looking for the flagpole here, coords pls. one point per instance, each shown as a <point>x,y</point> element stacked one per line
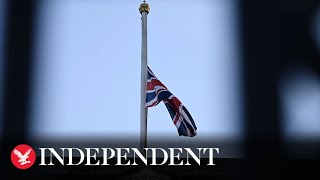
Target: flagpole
<point>144,10</point>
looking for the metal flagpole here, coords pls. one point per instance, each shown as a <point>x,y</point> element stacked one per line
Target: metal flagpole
<point>144,10</point>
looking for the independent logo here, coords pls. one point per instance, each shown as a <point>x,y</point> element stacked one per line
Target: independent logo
<point>23,156</point>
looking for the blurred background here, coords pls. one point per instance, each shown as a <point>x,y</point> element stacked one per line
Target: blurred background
<point>248,72</point>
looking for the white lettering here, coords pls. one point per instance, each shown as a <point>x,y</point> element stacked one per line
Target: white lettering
<point>137,152</point>
<point>172,156</point>
<point>89,156</point>
<point>197,159</point>
<point>211,154</point>
<point>154,156</point>
<point>71,156</point>
<point>105,155</point>
<point>119,156</point>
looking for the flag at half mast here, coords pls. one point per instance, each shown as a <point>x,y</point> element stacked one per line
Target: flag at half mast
<point>157,92</point>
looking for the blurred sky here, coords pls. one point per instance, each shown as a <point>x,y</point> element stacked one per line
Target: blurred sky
<point>87,78</point>
<point>300,103</point>
<point>88,75</point>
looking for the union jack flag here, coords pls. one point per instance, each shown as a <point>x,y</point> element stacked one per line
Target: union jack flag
<point>157,92</point>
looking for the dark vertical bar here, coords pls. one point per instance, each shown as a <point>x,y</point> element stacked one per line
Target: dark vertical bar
<point>17,70</point>
<point>276,34</point>
<point>260,59</point>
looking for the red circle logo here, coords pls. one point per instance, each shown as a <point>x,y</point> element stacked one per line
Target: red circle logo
<point>23,156</point>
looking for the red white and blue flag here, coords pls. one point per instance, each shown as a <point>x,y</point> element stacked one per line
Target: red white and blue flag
<point>157,92</point>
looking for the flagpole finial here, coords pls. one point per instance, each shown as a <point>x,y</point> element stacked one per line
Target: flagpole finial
<point>144,7</point>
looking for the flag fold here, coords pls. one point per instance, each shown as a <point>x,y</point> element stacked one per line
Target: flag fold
<point>157,92</point>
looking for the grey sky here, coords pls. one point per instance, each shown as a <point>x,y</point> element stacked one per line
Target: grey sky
<point>88,77</point>
<point>300,102</point>
<point>87,82</point>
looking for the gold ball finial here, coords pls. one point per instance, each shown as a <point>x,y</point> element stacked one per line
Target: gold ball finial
<point>144,7</point>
